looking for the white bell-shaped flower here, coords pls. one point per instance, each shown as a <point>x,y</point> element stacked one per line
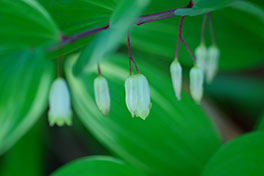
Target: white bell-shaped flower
<point>102,96</point>
<point>131,89</point>
<point>176,76</point>
<point>143,104</point>
<point>201,55</point>
<point>196,84</point>
<point>60,112</point>
<point>212,63</point>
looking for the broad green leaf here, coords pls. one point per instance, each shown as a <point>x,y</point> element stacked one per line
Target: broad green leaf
<point>243,156</point>
<point>97,166</point>
<point>124,16</point>
<point>27,156</point>
<point>73,16</point>
<point>260,124</point>
<point>25,81</point>
<point>250,8</point>
<point>25,24</point>
<point>230,26</point>
<point>204,6</point>
<point>176,139</point>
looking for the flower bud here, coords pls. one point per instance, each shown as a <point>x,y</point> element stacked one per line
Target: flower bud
<point>201,54</point>
<point>212,63</point>
<point>176,76</point>
<point>59,104</point>
<point>131,94</point>
<point>196,84</point>
<point>143,104</point>
<point>102,96</point>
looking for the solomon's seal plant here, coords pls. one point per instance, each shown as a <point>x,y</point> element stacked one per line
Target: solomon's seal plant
<point>154,110</point>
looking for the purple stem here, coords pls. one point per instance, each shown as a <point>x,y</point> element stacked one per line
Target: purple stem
<point>130,56</point>
<point>189,50</point>
<point>141,20</point>
<point>211,29</point>
<point>155,19</point>
<point>203,27</point>
<point>65,40</point>
<point>98,69</point>
<point>179,38</point>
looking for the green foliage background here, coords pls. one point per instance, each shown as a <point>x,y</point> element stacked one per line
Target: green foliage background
<point>178,137</point>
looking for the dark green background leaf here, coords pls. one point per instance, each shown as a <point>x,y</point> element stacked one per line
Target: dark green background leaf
<point>243,156</point>
<point>250,8</point>
<point>177,137</point>
<point>25,24</point>
<point>75,16</point>
<point>27,156</point>
<point>25,82</point>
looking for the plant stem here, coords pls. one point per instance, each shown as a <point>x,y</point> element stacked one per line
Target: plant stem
<point>179,38</point>
<point>98,69</point>
<point>189,50</point>
<point>203,27</point>
<point>130,56</point>
<point>59,65</point>
<point>65,40</point>
<point>140,20</point>
<point>211,29</point>
<point>129,53</point>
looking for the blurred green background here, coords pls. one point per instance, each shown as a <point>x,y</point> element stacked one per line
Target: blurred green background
<point>178,137</point>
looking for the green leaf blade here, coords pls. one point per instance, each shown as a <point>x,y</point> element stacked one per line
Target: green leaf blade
<point>96,166</point>
<point>243,156</point>
<point>25,24</point>
<point>25,80</point>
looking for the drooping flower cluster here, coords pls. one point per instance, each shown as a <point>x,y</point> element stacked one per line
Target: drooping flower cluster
<point>205,65</point>
<point>137,87</point>
<point>196,81</point>
<point>207,60</point>
<point>138,96</point>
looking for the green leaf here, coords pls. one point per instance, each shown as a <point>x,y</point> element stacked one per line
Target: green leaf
<point>25,81</point>
<point>73,16</point>
<point>25,24</point>
<point>204,6</point>
<point>108,40</point>
<point>260,124</point>
<point>176,139</point>
<point>97,166</point>
<point>249,8</point>
<point>27,156</point>
<point>240,157</point>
